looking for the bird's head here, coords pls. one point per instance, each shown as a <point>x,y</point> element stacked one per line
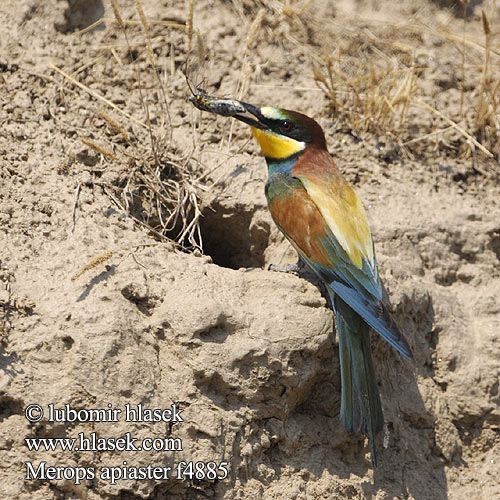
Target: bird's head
<point>282,134</point>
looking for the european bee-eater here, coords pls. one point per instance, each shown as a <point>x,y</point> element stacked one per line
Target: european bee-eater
<point>319,213</point>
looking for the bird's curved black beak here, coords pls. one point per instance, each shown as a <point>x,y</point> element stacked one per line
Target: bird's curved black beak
<point>261,122</point>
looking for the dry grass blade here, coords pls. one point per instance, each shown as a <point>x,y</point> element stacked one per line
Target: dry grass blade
<point>252,32</point>
<point>145,26</point>
<point>97,96</point>
<point>471,140</point>
<point>113,124</point>
<point>98,149</point>
<point>152,60</point>
<point>189,25</point>
<point>117,14</point>
<point>486,123</point>
<point>481,108</point>
<point>100,259</point>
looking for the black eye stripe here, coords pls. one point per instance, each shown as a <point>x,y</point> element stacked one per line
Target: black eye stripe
<point>279,125</point>
<point>294,131</point>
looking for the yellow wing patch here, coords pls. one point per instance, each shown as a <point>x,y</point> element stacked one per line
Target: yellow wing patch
<point>276,146</point>
<point>345,215</point>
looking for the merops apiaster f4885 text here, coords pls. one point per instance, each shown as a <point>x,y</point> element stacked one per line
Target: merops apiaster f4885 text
<point>322,217</point>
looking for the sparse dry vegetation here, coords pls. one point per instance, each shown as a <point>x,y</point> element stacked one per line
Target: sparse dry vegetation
<point>371,73</point>
<point>374,84</point>
<point>370,99</point>
<point>155,185</point>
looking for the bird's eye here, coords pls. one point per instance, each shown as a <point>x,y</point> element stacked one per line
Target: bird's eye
<point>286,126</point>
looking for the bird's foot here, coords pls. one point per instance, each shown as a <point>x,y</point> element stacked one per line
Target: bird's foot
<point>292,268</point>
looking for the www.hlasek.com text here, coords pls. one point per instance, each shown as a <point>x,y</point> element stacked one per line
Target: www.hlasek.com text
<point>95,443</point>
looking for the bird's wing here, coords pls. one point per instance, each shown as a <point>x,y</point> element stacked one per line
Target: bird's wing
<point>348,235</point>
<point>298,216</point>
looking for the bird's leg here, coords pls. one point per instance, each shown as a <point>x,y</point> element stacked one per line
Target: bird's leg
<point>292,268</point>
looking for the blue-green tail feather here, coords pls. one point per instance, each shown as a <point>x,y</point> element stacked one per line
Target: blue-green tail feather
<point>360,404</point>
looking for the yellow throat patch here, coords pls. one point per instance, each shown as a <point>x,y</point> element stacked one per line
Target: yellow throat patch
<point>276,146</point>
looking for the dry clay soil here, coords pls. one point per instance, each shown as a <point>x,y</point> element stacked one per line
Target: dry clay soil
<point>249,355</point>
